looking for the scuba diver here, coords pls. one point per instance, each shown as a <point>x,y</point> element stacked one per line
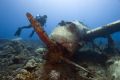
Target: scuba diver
<point>40,19</point>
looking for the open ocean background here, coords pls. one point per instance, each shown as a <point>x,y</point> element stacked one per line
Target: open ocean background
<point>93,13</point>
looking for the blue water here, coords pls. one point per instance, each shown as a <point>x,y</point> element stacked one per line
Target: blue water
<point>93,13</point>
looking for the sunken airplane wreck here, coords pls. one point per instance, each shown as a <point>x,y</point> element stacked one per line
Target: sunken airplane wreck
<point>64,41</point>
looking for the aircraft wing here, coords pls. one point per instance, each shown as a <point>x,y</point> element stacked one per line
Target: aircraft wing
<point>103,31</point>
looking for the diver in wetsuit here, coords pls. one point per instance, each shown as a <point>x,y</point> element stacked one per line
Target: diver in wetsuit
<point>40,19</point>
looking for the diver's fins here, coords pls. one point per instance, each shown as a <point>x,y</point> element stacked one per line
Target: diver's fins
<point>18,32</point>
<point>31,34</point>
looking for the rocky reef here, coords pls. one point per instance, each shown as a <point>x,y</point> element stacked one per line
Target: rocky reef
<point>23,60</point>
<point>16,55</point>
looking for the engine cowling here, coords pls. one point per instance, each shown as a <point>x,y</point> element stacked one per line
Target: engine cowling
<point>69,34</point>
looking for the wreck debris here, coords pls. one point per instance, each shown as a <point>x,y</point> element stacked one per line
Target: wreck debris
<point>56,52</point>
<point>63,43</point>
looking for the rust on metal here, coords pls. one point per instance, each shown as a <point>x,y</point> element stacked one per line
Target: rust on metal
<point>56,52</point>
